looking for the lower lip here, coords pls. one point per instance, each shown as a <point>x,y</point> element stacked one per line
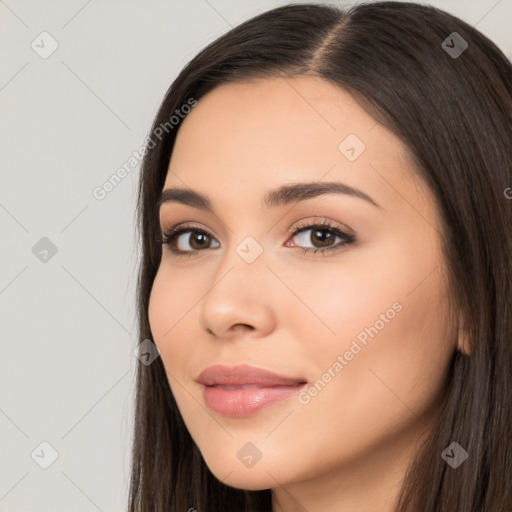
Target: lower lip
<point>245,401</point>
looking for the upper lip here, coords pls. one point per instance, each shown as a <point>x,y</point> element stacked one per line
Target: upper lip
<point>241,375</point>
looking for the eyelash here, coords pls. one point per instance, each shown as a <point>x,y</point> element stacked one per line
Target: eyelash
<point>169,238</point>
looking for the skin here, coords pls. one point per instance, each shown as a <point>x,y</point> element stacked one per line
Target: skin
<point>293,313</point>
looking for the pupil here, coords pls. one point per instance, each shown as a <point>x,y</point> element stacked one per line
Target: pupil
<point>197,237</point>
<point>324,238</point>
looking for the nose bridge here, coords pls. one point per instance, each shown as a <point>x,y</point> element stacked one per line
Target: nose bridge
<point>243,267</point>
<point>245,242</point>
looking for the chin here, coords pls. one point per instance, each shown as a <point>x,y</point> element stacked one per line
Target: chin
<point>246,480</point>
<point>234,473</point>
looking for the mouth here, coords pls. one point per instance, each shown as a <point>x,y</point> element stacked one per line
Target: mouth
<point>243,390</point>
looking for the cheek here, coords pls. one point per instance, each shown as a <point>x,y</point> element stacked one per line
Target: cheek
<point>161,309</point>
<point>170,301</point>
<point>412,362</point>
<point>392,337</point>
<point>393,371</point>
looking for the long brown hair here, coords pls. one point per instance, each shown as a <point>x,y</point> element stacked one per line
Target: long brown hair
<point>451,105</point>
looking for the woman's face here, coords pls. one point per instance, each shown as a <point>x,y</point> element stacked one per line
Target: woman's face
<point>362,329</point>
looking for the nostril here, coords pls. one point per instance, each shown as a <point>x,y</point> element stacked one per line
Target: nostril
<point>242,326</point>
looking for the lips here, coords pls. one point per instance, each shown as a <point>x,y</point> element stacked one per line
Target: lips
<point>244,375</point>
<point>243,390</point>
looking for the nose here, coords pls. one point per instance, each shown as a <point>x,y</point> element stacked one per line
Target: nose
<point>240,300</point>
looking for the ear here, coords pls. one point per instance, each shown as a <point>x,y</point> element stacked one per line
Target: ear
<point>463,342</point>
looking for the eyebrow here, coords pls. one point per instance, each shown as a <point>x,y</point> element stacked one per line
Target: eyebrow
<point>283,195</point>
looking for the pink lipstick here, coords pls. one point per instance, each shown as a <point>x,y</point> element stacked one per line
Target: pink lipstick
<point>242,390</point>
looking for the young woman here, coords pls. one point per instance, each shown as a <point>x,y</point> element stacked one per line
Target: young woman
<point>325,215</point>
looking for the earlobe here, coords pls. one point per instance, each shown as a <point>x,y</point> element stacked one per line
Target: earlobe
<point>463,342</point>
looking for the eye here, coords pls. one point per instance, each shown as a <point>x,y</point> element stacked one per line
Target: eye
<point>197,239</point>
<point>323,236</point>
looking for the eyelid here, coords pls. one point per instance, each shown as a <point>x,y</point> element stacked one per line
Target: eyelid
<point>309,222</point>
<point>166,226</point>
<point>316,220</point>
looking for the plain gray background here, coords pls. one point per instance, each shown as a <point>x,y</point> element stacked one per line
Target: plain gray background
<point>67,123</point>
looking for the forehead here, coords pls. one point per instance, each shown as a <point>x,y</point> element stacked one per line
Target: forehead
<point>277,113</point>
<point>271,131</point>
